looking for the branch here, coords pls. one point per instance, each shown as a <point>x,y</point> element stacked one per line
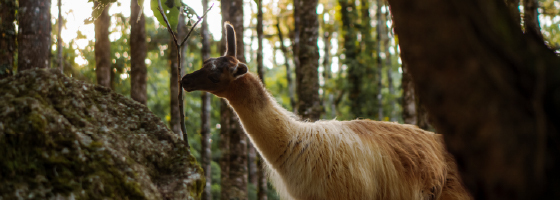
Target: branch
<point>166,21</point>
<point>192,28</point>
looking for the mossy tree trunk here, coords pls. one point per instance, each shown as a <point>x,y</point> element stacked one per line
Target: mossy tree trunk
<point>138,51</point>
<point>7,37</point>
<point>307,75</point>
<point>206,148</point>
<point>102,48</point>
<point>490,89</point>
<point>34,34</point>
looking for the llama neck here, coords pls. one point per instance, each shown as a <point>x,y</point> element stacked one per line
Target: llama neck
<point>267,124</point>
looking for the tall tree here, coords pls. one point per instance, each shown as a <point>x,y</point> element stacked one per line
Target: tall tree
<point>102,47</point>
<point>138,51</point>
<point>307,77</point>
<point>205,145</point>
<point>287,65</point>
<point>389,64</point>
<point>379,30</point>
<point>7,37</point>
<point>349,16</point>
<point>34,35</point>
<point>175,122</point>
<point>513,6</point>
<point>59,38</point>
<point>236,158</point>
<point>408,101</point>
<point>492,92</point>
<point>261,185</point>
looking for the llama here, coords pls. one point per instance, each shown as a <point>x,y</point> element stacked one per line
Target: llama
<point>359,159</point>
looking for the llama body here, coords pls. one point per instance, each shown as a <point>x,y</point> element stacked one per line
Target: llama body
<point>359,159</point>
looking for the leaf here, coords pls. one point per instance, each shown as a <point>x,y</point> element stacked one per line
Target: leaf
<point>171,8</point>
<point>97,10</point>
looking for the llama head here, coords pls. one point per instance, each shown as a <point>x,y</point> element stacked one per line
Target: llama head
<point>217,73</point>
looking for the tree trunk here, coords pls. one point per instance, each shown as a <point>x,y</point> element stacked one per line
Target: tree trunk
<point>103,48</point>
<point>260,182</point>
<point>288,68</point>
<point>138,50</point>
<point>205,145</point>
<point>389,68</point>
<point>7,37</point>
<point>531,17</point>
<point>232,11</point>
<point>307,78</point>
<point>59,38</point>
<point>225,117</point>
<point>34,35</point>
<point>175,121</point>
<point>490,89</point>
<point>349,15</point>
<point>379,30</point>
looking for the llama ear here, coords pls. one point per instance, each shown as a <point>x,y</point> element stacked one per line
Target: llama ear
<point>240,69</point>
<point>230,40</point>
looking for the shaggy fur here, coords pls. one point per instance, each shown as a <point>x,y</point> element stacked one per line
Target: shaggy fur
<point>359,159</point>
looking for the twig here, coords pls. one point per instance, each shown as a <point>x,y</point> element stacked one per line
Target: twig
<point>179,48</point>
<point>192,28</point>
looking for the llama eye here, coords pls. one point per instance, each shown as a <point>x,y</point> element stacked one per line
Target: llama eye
<point>213,79</point>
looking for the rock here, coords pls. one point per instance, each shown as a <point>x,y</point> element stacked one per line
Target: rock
<point>64,139</point>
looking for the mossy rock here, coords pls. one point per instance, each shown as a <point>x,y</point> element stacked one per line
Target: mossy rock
<point>64,139</point>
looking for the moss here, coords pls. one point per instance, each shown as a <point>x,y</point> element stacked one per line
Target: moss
<point>61,137</point>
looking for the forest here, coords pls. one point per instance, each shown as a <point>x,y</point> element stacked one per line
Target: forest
<point>483,73</point>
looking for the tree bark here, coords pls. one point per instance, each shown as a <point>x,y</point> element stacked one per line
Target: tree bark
<point>408,103</point>
<point>138,50</point>
<point>175,121</point>
<point>232,11</point>
<point>103,48</point>
<point>260,181</point>
<point>287,65</point>
<point>206,146</point>
<point>225,117</point>
<point>307,77</point>
<point>34,34</point>
<point>490,89</point>
<point>260,68</point>
<point>7,37</point>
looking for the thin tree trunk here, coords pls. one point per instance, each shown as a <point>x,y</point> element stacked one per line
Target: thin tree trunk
<point>491,91</point>
<point>205,145</point>
<point>103,48</point>
<point>379,62</point>
<point>138,49</point>
<point>7,37</point>
<point>531,17</point>
<point>225,116</point>
<point>327,73</point>
<point>34,35</point>
<point>307,77</point>
<point>175,122</point>
<point>389,68</point>
<point>260,181</point>
<point>288,68</point>
<point>232,11</point>
<point>59,38</point>
<point>349,15</point>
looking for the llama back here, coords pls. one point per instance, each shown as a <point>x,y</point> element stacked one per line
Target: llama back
<point>367,159</point>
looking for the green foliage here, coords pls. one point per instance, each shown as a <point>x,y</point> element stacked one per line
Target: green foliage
<point>97,10</point>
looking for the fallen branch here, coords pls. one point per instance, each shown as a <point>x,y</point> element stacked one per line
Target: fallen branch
<point>179,47</point>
